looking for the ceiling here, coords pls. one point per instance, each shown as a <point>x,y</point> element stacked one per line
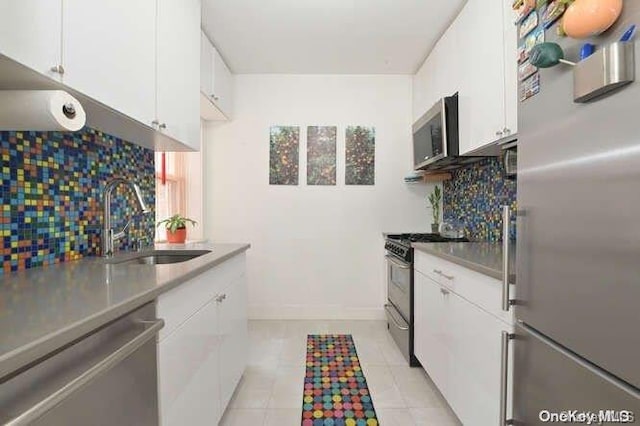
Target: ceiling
<point>326,36</point>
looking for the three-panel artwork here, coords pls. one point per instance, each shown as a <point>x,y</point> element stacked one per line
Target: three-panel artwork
<point>284,153</point>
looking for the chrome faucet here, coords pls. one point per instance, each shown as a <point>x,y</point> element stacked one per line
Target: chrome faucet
<point>109,236</point>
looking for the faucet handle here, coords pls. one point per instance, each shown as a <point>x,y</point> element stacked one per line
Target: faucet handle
<point>140,244</point>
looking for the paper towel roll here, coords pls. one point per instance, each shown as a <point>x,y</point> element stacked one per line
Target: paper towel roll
<point>40,110</point>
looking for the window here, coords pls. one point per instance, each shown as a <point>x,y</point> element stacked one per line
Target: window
<point>170,195</point>
<point>181,191</point>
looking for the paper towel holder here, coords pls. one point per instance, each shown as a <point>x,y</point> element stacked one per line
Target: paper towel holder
<point>606,70</point>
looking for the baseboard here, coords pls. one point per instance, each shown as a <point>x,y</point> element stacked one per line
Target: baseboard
<point>314,313</point>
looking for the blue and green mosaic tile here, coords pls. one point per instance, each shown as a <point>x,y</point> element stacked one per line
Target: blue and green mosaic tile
<point>50,188</point>
<point>475,195</point>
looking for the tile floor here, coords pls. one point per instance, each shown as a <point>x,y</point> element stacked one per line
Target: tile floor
<point>270,392</point>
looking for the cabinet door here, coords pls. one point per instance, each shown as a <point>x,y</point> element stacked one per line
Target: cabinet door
<point>222,84</point>
<point>188,370</point>
<point>474,384</point>
<point>423,88</point>
<point>31,32</point>
<point>510,69</point>
<point>448,61</point>
<point>206,65</point>
<point>234,337</point>
<point>109,53</point>
<point>178,91</point>
<point>431,339</point>
<point>482,108</point>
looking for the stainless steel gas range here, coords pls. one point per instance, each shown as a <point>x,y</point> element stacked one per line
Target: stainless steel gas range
<point>399,306</point>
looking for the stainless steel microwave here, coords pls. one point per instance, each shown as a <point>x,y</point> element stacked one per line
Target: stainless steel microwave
<point>435,134</point>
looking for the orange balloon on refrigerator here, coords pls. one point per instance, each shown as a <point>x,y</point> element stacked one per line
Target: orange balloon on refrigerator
<point>587,18</point>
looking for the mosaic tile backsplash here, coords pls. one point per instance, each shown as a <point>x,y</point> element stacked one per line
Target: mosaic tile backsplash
<point>51,191</point>
<point>475,195</point>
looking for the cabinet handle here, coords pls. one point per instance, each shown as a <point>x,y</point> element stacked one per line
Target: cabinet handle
<point>444,291</point>
<point>449,277</point>
<point>437,271</point>
<point>58,69</point>
<point>221,298</point>
<point>506,218</point>
<point>163,126</point>
<point>155,123</point>
<point>504,377</point>
<point>506,131</point>
<point>499,133</point>
<point>215,98</point>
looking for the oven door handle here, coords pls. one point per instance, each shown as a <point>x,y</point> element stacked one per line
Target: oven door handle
<point>388,308</point>
<point>400,265</point>
<point>36,411</point>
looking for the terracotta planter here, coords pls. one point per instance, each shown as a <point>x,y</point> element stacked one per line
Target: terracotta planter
<point>178,237</point>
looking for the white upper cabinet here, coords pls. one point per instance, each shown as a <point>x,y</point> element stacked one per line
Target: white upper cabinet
<point>30,33</point>
<point>206,65</point>
<point>110,55</point>
<point>475,57</point>
<point>216,83</point>
<point>510,70</point>
<point>482,84</point>
<point>222,84</point>
<point>140,58</point>
<point>178,59</point>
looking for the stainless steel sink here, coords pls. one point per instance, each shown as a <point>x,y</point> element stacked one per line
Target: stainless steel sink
<point>160,257</point>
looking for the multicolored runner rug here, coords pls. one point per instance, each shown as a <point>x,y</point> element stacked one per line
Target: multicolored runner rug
<point>335,390</point>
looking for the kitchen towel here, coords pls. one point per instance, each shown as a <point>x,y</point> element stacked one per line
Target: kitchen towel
<point>40,110</point>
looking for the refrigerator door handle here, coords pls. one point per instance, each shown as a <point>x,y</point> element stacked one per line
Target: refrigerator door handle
<point>504,377</point>
<point>506,219</point>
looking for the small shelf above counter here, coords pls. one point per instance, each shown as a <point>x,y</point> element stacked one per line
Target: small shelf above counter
<point>426,177</point>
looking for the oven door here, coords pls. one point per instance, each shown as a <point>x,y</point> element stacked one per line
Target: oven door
<point>399,285</point>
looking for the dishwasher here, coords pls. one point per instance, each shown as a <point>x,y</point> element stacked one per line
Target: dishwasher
<point>108,377</point>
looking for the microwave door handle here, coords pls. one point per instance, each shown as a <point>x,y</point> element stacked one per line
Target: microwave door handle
<point>443,123</point>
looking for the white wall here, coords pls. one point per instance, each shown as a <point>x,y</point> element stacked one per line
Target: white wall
<point>317,252</point>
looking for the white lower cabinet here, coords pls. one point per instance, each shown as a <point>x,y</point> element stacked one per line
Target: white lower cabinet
<point>201,360</point>
<point>431,338</point>
<point>234,337</point>
<point>189,370</point>
<point>459,346</point>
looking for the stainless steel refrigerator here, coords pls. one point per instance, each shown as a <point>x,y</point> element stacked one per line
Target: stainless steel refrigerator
<point>577,342</point>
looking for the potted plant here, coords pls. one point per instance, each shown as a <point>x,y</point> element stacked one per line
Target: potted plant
<point>176,227</point>
<point>434,199</point>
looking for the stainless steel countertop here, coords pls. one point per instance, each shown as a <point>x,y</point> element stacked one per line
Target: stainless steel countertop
<point>43,309</point>
<point>485,258</point>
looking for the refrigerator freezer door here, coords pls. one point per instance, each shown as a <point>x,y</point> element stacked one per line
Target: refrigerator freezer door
<point>578,257</point>
<point>547,379</point>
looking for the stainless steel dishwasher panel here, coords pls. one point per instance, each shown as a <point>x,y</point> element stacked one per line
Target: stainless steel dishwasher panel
<point>106,378</point>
